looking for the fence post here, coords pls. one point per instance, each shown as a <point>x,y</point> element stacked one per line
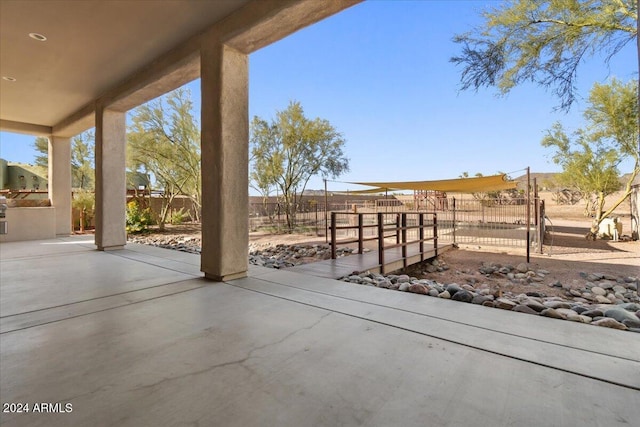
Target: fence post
<point>454,220</point>
<point>421,234</point>
<point>278,216</point>
<point>381,241</point>
<point>541,224</point>
<point>326,225</point>
<point>360,233</point>
<point>403,224</point>
<point>397,228</point>
<point>435,233</point>
<point>528,213</point>
<point>333,235</point>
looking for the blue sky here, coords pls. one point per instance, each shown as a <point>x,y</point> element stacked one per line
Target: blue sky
<point>380,73</point>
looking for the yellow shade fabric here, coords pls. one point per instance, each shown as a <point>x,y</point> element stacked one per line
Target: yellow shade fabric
<point>367,191</point>
<point>460,185</point>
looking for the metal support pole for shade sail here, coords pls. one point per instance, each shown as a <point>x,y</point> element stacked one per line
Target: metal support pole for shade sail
<point>528,212</point>
<point>537,217</point>
<point>326,224</point>
<point>454,221</point>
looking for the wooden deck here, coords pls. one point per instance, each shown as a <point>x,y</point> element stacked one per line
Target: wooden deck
<point>340,267</point>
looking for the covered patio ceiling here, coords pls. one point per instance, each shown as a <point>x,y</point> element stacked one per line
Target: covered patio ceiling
<point>122,53</point>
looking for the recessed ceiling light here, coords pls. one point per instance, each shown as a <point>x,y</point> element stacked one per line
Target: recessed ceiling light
<point>37,36</point>
<point>9,78</point>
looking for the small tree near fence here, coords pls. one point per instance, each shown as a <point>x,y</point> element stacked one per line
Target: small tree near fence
<point>591,156</point>
<point>289,150</point>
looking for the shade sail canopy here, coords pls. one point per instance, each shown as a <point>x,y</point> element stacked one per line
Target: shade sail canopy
<point>459,185</point>
<point>367,191</point>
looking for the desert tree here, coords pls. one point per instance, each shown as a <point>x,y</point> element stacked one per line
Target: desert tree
<point>82,172</point>
<point>262,178</point>
<point>164,140</point>
<point>83,161</point>
<point>83,175</point>
<point>543,42</point>
<point>290,149</point>
<point>590,158</point>
<point>41,147</point>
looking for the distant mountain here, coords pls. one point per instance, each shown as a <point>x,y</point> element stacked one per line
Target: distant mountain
<point>313,192</point>
<point>545,180</point>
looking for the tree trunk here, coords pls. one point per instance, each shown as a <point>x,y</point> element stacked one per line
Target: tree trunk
<point>588,206</point>
<point>593,233</point>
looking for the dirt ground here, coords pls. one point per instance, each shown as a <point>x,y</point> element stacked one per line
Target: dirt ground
<point>565,254</point>
<point>567,260</point>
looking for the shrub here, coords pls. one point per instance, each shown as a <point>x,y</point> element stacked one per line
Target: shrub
<point>138,219</point>
<point>84,202</point>
<point>179,216</point>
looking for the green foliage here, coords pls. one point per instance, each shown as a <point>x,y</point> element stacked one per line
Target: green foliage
<point>589,167</point>
<point>164,140</point>
<point>613,115</point>
<point>179,216</point>
<point>543,42</point>
<point>82,161</point>
<point>588,164</point>
<point>288,151</point>
<point>138,218</point>
<point>84,201</point>
<point>591,158</point>
<point>41,146</point>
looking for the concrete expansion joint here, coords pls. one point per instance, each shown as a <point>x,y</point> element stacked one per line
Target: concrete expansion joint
<point>238,362</point>
<point>433,316</point>
<point>110,248</point>
<point>369,316</point>
<point>225,277</point>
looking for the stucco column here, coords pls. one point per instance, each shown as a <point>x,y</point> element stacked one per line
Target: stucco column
<point>225,162</point>
<point>110,179</point>
<point>60,182</point>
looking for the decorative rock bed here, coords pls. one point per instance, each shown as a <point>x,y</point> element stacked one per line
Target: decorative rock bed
<point>282,256</point>
<point>602,300</point>
<point>190,244</point>
<point>266,255</point>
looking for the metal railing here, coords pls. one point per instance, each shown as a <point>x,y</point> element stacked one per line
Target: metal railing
<point>403,228</point>
<point>470,221</point>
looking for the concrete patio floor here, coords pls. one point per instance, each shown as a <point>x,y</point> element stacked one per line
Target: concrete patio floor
<point>137,337</point>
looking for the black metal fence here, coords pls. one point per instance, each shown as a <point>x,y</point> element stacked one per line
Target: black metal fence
<point>493,223</point>
<point>482,222</point>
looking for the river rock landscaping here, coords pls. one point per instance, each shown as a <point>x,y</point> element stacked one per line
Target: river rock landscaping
<point>262,254</point>
<point>597,299</point>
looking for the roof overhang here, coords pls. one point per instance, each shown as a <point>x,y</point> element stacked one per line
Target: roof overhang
<point>122,54</point>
